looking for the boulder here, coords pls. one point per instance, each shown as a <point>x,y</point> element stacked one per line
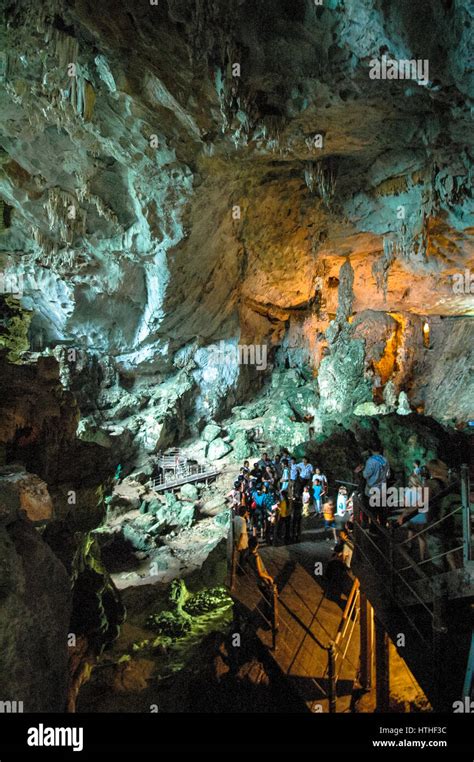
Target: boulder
<point>243,446</point>
<point>211,432</point>
<point>21,491</point>
<point>189,492</point>
<point>218,449</point>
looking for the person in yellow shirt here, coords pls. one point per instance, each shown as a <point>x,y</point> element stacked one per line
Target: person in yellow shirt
<point>284,518</point>
<point>329,510</point>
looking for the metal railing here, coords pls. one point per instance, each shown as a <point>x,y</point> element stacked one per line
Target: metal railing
<point>188,473</point>
<point>400,574</point>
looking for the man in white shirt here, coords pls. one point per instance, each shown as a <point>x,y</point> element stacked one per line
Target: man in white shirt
<point>306,471</point>
<point>241,538</point>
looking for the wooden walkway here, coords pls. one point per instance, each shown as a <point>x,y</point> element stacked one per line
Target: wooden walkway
<point>310,616</point>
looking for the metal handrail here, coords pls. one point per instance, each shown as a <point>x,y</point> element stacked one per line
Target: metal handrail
<point>387,585</point>
<point>430,526</point>
<point>387,562</point>
<point>434,558</point>
<point>330,669</point>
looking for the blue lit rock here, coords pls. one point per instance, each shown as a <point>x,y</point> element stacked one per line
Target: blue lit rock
<point>218,449</point>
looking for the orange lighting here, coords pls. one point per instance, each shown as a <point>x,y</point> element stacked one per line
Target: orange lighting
<point>426,335</point>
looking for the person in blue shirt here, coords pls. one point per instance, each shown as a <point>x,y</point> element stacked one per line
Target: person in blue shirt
<point>294,472</point>
<point>306,471</point>
<point>317,494</point>
<point>258,497</point>
<point>376,472</point>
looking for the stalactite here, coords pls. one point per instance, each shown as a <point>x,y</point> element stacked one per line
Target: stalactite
<point>381,266</point>
<point>65,217</point>
<point>321,176</point>
<point>85,196</point>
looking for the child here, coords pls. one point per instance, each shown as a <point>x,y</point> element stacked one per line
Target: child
<point>234,496</point>
<point>318,492</point>
<point>341,501</point>
<point>329,521</point>
<point>306,499</point>
<point>322,478</point>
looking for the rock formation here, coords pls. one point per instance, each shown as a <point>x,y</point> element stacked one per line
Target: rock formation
<point>219,231</point>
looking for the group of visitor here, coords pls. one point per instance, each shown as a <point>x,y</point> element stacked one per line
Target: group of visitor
<point>271,497</point>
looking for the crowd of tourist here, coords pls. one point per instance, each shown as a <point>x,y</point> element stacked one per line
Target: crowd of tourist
<point>271,497</point>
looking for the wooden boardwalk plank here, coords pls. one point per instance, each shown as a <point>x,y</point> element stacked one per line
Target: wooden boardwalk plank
<point>308,622</point>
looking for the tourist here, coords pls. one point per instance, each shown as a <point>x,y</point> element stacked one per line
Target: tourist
<point>376,472</point>
<point>341,506</point>
<point>442,537</point>
<point>318,495</point>
<point>329,520</point>
<point>257,564</point>
<point>306,471</point>
<point>264,462</point>
<point>268,475</point>
<point>234,496</point>
<point>347,544</point>
<point>306,500</point>
<point>256,472</point>
<point>269,506</point>
<point>285,476</point>
<point>417,467</point>
<point>322,478</point>
<point>284,518</point>
<point>415,514</point>
<point>258,511</point>
<point>294,473</point>
<point>241,539</point>
<point>278,468</point>
<point>295,492</point>
<point>246,467</point>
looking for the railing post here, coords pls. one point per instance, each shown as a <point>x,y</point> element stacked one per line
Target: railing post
<point>366,642</point>
<point>332,677</point>
<point>232,552</point>
<point>391,560</point>
<point>466,514</point>
<point>439,642</point>
<point>382,668</point>
<point>274,615</point>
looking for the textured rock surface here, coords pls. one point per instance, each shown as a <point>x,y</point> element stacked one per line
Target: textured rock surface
<point>124,180</point>
<point>217,260</point>
<point>26,493</point>
<point>35,609</point>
